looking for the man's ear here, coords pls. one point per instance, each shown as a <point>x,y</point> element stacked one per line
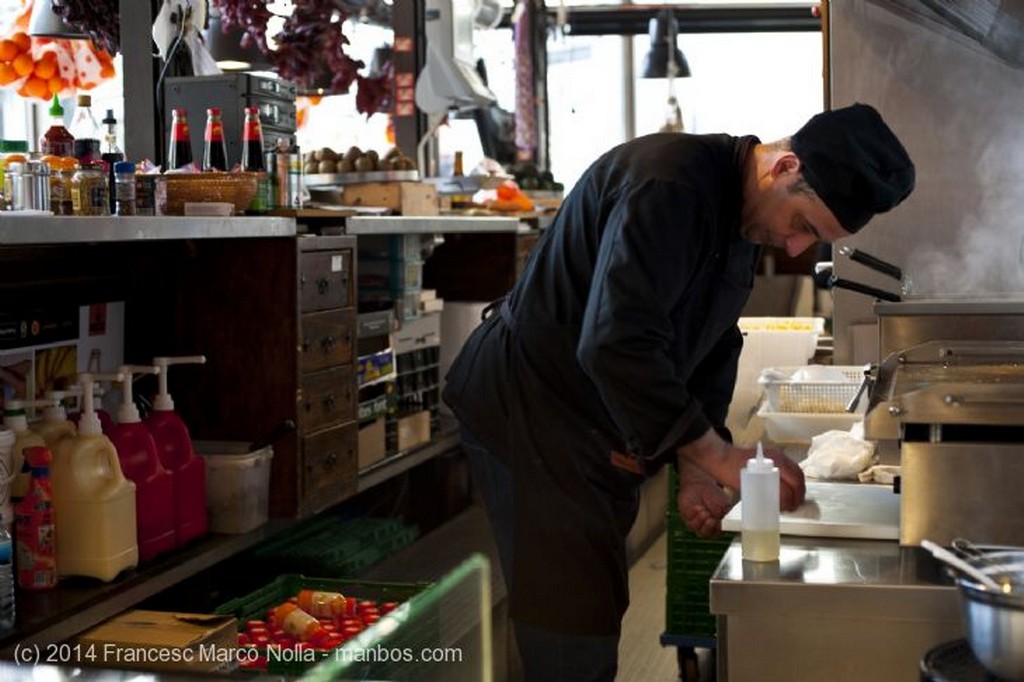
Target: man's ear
<point>786,163</point>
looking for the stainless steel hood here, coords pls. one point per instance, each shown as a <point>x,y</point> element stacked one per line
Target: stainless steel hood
<point>948,77</point>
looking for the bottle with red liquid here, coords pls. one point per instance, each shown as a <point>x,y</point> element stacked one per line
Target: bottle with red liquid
<point>174,447</point>
<point>179,152</point>
<point>35,526</point>
<point>215,153</point>
<point>86,132</point>
<point>57,140</point>
<point>154,485</point>
<point>253,159</point>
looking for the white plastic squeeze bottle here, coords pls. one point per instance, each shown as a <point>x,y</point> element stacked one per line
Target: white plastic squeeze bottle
<point>759,492</point>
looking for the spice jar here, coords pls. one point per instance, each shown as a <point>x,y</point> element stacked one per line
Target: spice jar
<point>124,187</point>
<point>62,168</point>
<point>89,192</point>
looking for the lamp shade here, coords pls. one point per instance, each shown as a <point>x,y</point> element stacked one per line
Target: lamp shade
<point>44,22</point>
<point>664,53</point>
<point>227,49</point>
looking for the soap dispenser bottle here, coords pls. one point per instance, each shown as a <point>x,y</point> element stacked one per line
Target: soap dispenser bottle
<point>174,446</point>
<point>55,425</point>
<point>94,504</point>
<point>154,485</point>
<point>24,437</point>
<point>759,492</point>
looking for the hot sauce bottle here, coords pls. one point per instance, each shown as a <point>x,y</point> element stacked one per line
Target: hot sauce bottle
<point>215,155</point>
<point>180,151</point>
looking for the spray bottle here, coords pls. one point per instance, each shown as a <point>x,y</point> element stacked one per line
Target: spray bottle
<point>55,425</point>
<point>759,490</point>
<point>174,446</point>
<point>93,502</point>
<point>15,420</point>
<point>154,485</point>
<point>36,529</point>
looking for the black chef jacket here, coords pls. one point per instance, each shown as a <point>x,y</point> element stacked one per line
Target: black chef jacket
<point>621,335</point>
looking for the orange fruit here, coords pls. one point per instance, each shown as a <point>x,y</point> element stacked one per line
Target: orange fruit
<point>7,75</point>
<point>45,68</point>
<point>107,71</point>
<point>55,85</point>
<point>23,64</point>
<point>36,87</point>
<point>8,50</point>
<point>22,40</point>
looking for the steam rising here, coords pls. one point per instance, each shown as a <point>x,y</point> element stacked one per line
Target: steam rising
<point>987,258</point>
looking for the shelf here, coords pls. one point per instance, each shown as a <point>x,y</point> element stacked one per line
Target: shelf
<point>447,439</point>
<point>77,604</point>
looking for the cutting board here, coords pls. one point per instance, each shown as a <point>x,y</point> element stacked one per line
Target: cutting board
<point>837,510</point>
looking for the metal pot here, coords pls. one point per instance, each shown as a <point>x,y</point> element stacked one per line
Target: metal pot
<point>994,621</point>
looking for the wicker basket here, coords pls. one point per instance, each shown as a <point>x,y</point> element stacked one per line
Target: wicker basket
<point>237,189</point>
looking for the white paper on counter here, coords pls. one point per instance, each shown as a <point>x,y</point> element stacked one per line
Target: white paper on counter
<point>837,510</point>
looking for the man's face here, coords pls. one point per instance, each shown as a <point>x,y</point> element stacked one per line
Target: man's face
<point>785,213</point>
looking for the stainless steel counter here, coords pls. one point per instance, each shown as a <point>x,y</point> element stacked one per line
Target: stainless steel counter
<point>39,229</point>
<point>432,224</point>
<point>831,609</point>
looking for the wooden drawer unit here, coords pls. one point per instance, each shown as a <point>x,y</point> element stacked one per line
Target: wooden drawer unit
<point>326,398</point>
<point>330,466</point>
<point>327,339</point>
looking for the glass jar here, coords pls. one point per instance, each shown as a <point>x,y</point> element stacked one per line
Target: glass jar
<point>62,169</point>
<point>89,191</point>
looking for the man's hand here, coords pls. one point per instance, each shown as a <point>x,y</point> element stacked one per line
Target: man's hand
<point>702,502</point>
<point>724,461</point>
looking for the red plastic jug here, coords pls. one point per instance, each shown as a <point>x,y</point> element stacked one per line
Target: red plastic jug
<point>154,485</point>
<point>174,447</point>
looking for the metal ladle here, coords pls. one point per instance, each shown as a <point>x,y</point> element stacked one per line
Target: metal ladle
<point>947,557</point>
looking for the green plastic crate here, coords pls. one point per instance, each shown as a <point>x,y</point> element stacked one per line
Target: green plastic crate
<point>256,604</point>
<point>330,546</point>
<point>691,562</point>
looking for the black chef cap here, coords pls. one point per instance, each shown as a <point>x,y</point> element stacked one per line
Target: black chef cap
<point>854,162</point>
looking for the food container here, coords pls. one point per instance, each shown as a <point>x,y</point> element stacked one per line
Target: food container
<point>801,427</point>
<point>237,485</point>
<point>994,621</point>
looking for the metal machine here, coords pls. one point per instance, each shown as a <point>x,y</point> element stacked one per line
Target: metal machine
<point>948,403</point>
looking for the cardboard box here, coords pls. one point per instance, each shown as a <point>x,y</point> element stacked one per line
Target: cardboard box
<point>162,640</point>
<point>407,198</point>
<point>371,443</point>
<point>413,430</point>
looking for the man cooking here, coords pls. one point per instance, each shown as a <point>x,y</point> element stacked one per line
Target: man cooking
<point>616,352</point>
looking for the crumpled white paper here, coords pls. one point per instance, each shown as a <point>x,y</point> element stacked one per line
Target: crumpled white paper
<point>838,455</point>
<point>880,473</point>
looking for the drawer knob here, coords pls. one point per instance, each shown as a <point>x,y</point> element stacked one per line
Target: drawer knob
<point>331,459</point>
<point>329,400</point>
<point>327,343</point>
<point>323,285</point>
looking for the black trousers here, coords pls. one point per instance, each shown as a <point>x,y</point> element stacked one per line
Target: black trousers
<point>547,656</point>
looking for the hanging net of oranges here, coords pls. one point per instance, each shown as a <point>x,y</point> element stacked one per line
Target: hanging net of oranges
<point>39,68</point>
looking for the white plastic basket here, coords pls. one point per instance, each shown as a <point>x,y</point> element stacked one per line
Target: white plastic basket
<point>801,427</point>
<point>786,392</point>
